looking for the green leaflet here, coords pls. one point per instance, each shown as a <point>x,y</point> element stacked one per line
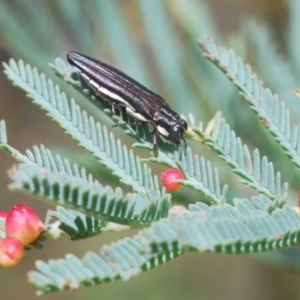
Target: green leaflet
<point>219,229</point>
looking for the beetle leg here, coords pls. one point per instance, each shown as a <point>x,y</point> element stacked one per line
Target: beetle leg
<point>154,142</point>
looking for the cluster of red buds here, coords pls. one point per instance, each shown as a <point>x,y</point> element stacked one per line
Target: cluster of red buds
<point>22,226</point>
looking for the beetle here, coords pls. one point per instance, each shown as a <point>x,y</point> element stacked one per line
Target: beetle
<point>126,94</point>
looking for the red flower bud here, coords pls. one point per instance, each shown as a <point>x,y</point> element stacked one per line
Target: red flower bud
<point>11,252</point>
<point>169,178</point>
<point>23,223</point>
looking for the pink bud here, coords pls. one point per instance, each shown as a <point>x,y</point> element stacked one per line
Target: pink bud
<point>169,178</point>
<point>11,252</point>
<point>23,223</point>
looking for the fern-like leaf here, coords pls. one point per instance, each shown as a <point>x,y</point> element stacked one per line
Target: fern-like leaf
<point>255,172</point>
<point>223,229</point>
<point>272,112</point>
<point>76,224</point>
<point>89,196</point>
<point>40,162</point>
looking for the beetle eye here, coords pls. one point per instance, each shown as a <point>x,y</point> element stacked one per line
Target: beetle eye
<point>184,123</point>
<point>176,133</point>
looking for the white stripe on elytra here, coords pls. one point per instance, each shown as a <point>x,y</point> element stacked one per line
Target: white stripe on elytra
<point>110,94</point>
<point>135,114</point>
<point>162,131</point>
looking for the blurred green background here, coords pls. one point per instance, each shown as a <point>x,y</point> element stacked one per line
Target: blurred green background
<point>155,42</point>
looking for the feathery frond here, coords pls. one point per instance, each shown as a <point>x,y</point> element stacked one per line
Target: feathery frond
<point>272,112</point>
<point>276,68</point>
<point>75,224</point>
<point>78,225</point>
<point>58,181</point>
<point>255,172</point>
<point>90,196</point>
<point>221,229</point>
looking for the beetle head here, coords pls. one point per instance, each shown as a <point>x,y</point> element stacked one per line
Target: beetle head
<point>177,131</point>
